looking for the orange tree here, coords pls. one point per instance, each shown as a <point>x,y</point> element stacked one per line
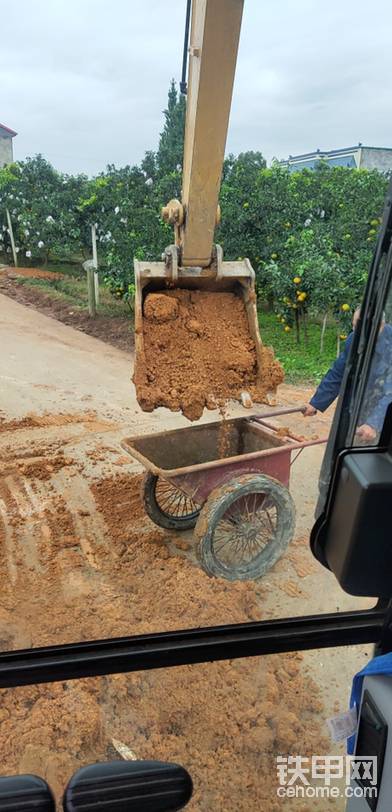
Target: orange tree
<point>316,227</point>
<point>310,277</point>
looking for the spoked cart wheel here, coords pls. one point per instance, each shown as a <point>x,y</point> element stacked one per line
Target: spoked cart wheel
<point>168,506</point>
<point>244,527</point>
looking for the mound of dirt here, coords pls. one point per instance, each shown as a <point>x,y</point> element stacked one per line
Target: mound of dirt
<point>198,352</point>
<point>45,420</point>
<point>31,273</point>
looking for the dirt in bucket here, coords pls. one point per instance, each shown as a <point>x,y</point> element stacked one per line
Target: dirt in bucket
<point>198,353</point>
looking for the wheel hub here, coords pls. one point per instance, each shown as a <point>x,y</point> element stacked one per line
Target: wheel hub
<point>249,531</point>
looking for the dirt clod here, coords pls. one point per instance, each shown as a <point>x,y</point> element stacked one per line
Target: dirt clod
<point>159,308</point>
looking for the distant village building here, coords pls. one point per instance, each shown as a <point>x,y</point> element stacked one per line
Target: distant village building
<point>6,136</point>
<point>358,157</point>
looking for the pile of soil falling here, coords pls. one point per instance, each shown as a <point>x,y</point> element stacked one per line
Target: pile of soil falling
<point>198,353</point>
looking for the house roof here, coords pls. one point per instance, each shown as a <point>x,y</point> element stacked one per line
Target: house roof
<point>322,153</point>
<point>8,130</point>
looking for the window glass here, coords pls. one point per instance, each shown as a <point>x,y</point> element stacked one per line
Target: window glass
<point>378,390</point>
<point>225,722</point>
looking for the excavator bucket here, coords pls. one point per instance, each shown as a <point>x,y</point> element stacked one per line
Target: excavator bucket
<point>197,338</point>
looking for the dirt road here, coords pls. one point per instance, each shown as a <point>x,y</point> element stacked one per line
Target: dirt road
<point>79,560</point>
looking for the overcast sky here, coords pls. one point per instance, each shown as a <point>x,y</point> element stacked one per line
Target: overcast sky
<point>84,82</point>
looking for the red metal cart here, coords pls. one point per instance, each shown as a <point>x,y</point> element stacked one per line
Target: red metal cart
<point>230,481</point>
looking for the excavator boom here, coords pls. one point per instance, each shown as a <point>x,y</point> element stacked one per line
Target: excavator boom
<point>215,32</point>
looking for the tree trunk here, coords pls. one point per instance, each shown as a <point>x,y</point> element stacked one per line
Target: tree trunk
<point>11,236</point>
<point>297,326</point>
<point>323,333</point>
<point>92,310</point>
<point>305,322</point>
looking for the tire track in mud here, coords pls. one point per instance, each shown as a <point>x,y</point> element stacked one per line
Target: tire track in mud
<point>30,513</point>
<point>90,527</point>
<point>6,534</point>
<point>26,518</point>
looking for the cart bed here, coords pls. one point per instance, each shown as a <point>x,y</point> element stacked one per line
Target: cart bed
<point>198,447</point>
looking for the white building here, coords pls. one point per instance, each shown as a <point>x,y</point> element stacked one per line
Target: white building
<point>358,157</point>
<point>6,136</point>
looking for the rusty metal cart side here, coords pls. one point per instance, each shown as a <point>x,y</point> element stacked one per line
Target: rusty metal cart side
<point>230,481</point>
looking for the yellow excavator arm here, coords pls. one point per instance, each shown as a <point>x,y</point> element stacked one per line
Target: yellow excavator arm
<point>215,33</point>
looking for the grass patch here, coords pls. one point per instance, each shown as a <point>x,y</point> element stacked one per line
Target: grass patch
<point>302,363</point>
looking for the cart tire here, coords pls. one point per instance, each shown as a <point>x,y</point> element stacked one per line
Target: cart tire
<point>159,497</point>
<point>244,527</point>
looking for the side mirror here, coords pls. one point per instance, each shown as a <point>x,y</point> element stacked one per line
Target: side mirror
<point>355,539</point>
<point>25,793</point>
<point>129,786</point>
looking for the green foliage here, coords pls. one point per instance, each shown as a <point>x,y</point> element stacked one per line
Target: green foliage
<point>126,210</point>
<point>300,366</point>
<point>43,209</point>
<point>171,145</point>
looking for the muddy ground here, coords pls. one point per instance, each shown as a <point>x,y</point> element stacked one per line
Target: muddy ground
<point>80,560</point>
